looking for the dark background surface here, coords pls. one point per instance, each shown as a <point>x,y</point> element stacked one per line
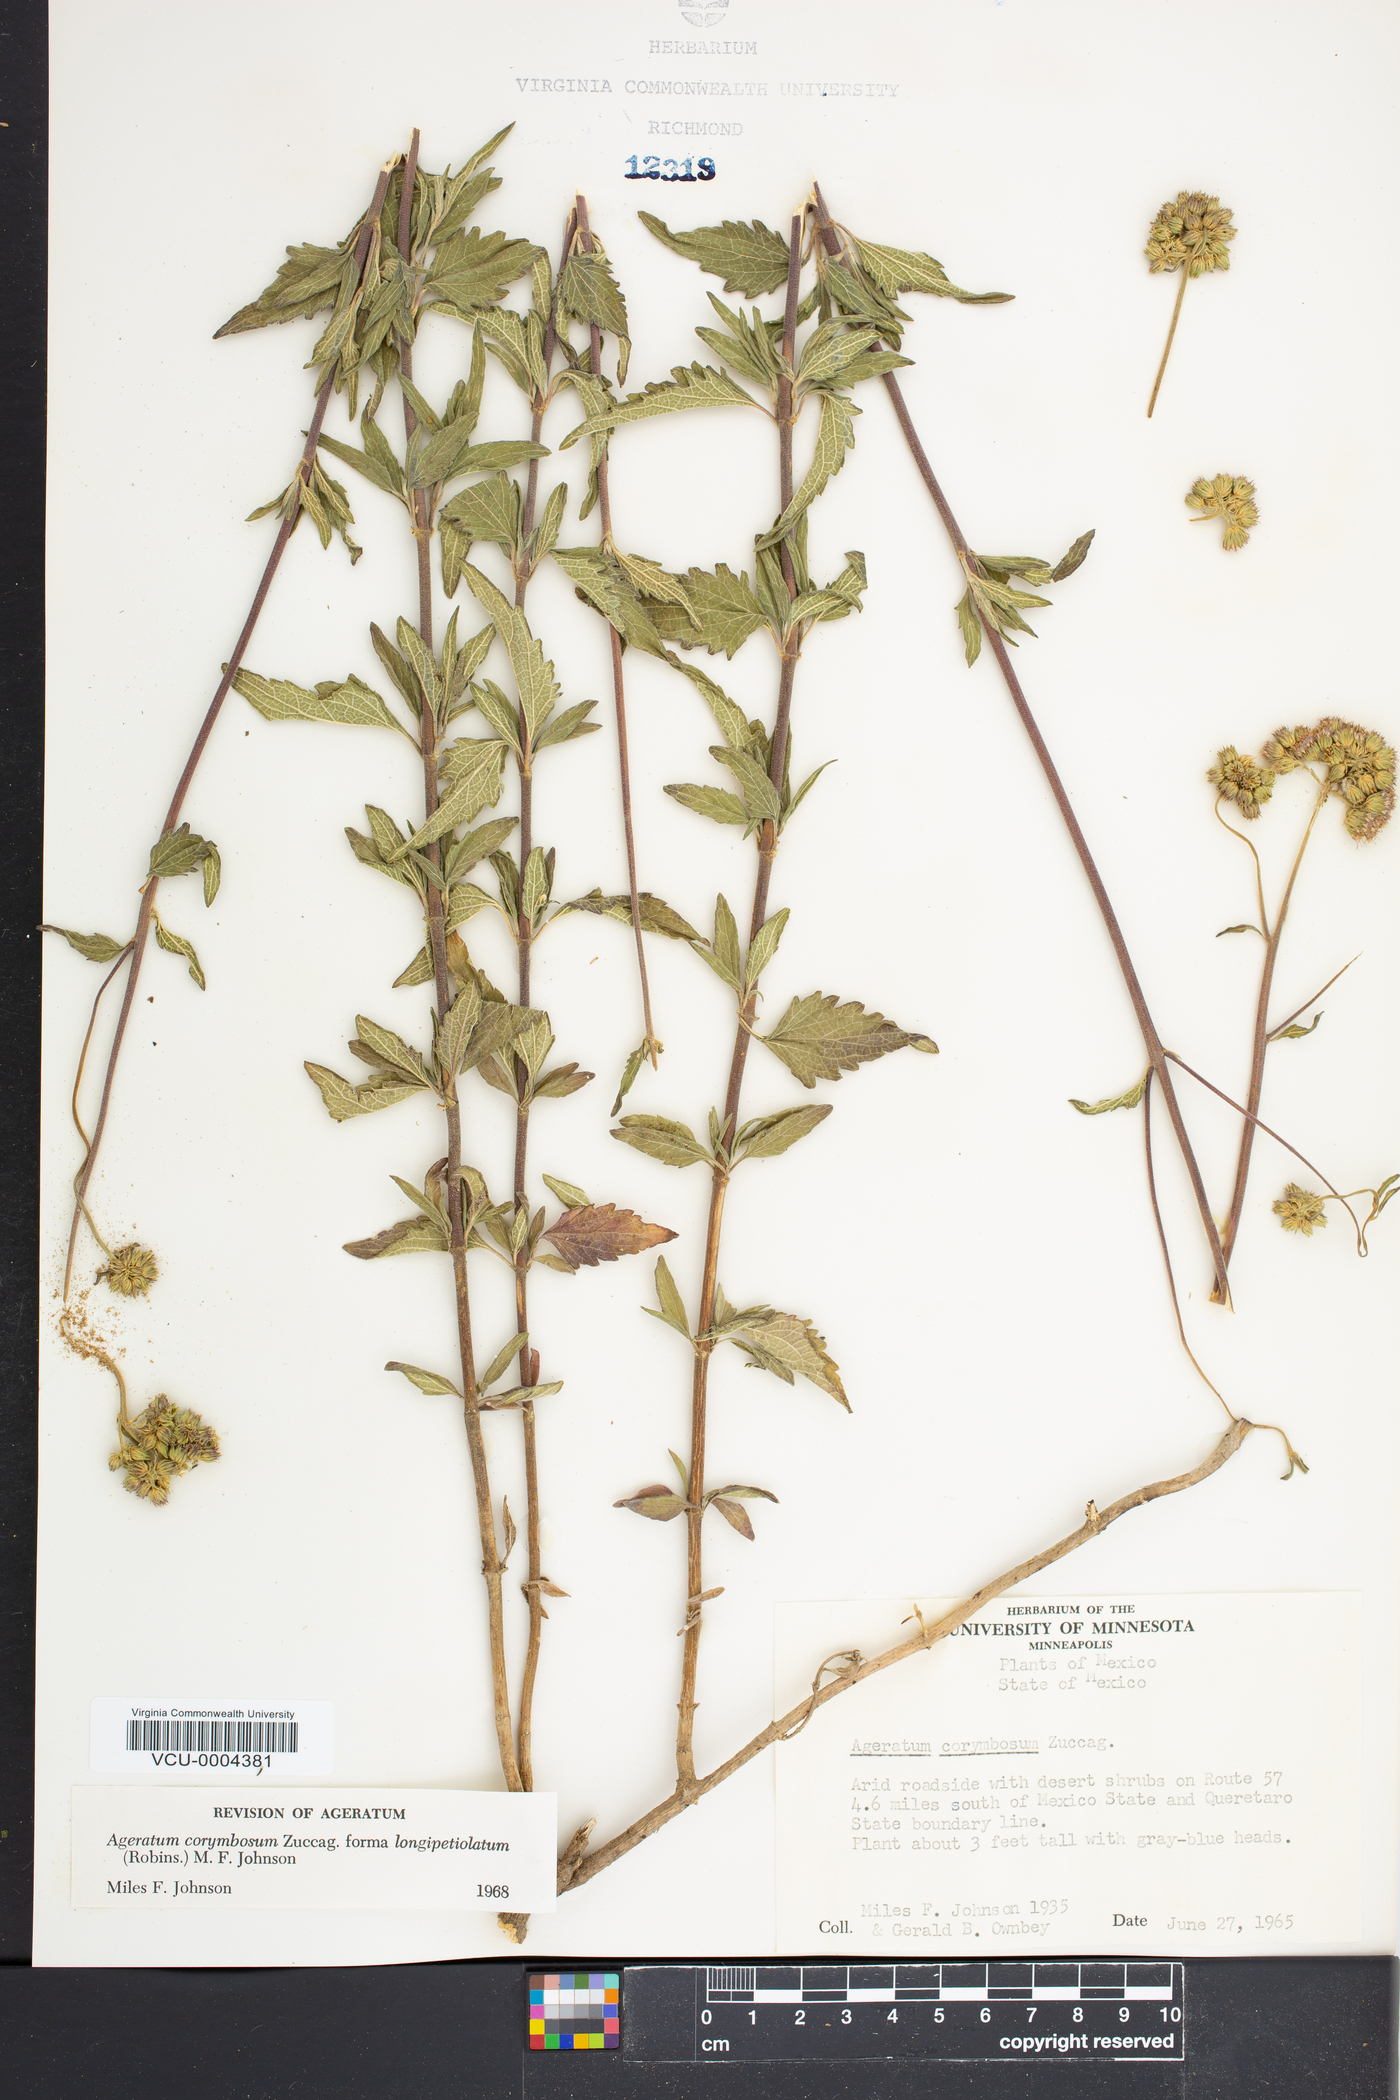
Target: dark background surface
<point>1257,2030</point>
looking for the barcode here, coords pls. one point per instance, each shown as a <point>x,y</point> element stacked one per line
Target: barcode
<point>254,1736</point>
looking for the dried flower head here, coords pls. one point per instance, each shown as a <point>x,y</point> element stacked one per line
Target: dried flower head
<point>131,1271</point>
<point>163,1441</point>
<point>1300,1210</point>
<point>1194,231</point>
<point>1287,749</point>
<point>1241,780</point>
<point>1230,498</point>
<point>1361,769</point>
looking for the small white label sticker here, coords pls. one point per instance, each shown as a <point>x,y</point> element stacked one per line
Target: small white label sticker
<point>202,1848</point>
<point>182,1738</point>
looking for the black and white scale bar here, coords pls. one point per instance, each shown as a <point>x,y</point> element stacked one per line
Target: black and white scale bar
<point>947,1983</point>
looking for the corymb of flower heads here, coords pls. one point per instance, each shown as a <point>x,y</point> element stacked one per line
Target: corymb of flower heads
<point>1194,232</point>
<point>162,1442</point>
<point>1230,498</point>
<point>1360,768</point>
<point>1300,1210</point>
<point>1241,780</point>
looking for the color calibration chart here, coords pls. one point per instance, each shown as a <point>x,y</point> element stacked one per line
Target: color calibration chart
<point>577,2009</point>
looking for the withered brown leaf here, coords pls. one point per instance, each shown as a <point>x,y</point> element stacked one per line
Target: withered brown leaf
<point>601,1232</point>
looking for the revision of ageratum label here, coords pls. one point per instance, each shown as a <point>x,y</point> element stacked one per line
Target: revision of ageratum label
<point>311,1848</point>
<point>1062,1774</point>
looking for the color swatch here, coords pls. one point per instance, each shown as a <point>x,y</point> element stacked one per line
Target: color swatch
<point>578,2009</point>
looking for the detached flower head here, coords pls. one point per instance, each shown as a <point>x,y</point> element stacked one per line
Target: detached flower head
<point>131,1271</point>
<point>1230,498</point>
<point>162,1442</point>
<point>1194,231</point>
<point>1242,780</point>
<point>1299,1210</point>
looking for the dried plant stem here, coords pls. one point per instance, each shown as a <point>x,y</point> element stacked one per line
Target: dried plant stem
<point>767,847</point>
<point>491,1569</point>
<point>930,1633</point>
<point>172,815</point>
<point>1171,332</point>
<point>524,936</point>
<point>595,342</point>
<point>1151,1040</point>
<point>1261,1039</point>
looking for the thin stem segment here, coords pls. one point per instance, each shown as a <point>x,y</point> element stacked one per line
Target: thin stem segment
<point>1151,1040</point>
<point>1176,316</point>
<point>182,786</point>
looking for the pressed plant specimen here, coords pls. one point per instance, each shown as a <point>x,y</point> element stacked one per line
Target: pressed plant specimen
<point>1191,236</point>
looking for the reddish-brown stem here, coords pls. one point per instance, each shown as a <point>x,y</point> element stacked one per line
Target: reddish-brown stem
<point>1151,1040</point>
<point>182,786</point>
<point>574,1875</point>
<point>491,1569</point>
<point>524,936</point>
<point>1261,1043</point>
<point>767,847</point>
<point>595,341</point>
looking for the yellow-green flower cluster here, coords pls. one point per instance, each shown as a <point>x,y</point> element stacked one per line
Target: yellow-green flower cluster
<point>1194,231</point>
<point>1241,780</point>
<point>1300,1210</point>
<point>1230,498</point>
<point>131,1271</point>
<point>162,1442</point>
<point>1360,768</point>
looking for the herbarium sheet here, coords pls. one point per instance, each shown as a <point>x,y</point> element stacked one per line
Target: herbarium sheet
<point>637,405</point>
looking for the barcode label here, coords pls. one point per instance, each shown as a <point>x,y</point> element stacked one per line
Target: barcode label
<point>187,1739</point>
<point>280,1736</point>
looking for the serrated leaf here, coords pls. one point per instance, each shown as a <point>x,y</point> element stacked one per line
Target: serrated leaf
<point>656,915</point>
<point>177,853</point>
<point>1102,1108</point>
<point>788,1346</point>
<point>391,1050</point>
<point>534,675</point>
<point>690,386</point>
<point>585,1236</point>
<point>97,947</point>
<point>500,1024</point>
<point>352,702</point>
<point>749,257</point>
<point>489,511</point>
<point>819,1038</point>
<point>176,944</point>
<point>660,1138</point>
<point>426,1381</point>
<point>716,803</point>
<point>898,270</point>
<point>836,435</point>
<point>472,270</point>
<point>724,610</point>
<point>455,1028</point>
<point>473,766</point>
<point>771,1135</point>
<point>656,1502</point>
<point>589,291</point>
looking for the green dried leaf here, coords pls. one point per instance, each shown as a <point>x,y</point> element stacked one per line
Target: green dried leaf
<point>500,1360</point>
<point>472,270</point>
<point>818,1038</point>
<point>898,270</point>
<point>1102,1108</point>
<point>455,1028</point>
<point>670,1300</point>
<point>352,702</point>
<point>766,1137</point>
<point>97,947</point>
<point>473,766</point>
<point>1246,928</point>
<point>520,1394</point>
<point>426,1381</point>
<point>408,1236</point>
<point>1068,563</point>
<point>570,1195</point>
<point>656,1502</point>
<point>534,675</point>
<point>656,915</point>
<point>971,626</point>
<point>749,257</point>
<point>344,1100</point>
<point>723,609</point>
<point>589,291</point>
<point>672,1143</point>
<point>379,1045</point>
<point>573,722</point>
<point>635,1060</point>
<point>213,872</point>
<point>1296,1033</point>
<point>176,944</point>
<point>724,954</point>
<point>788,1345</point>
<point>177,853</point>
<point>489,511</point>
<point>716,803</point>
<point>690,386</point>
<point>763,947</point>
<point>836,436</point>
